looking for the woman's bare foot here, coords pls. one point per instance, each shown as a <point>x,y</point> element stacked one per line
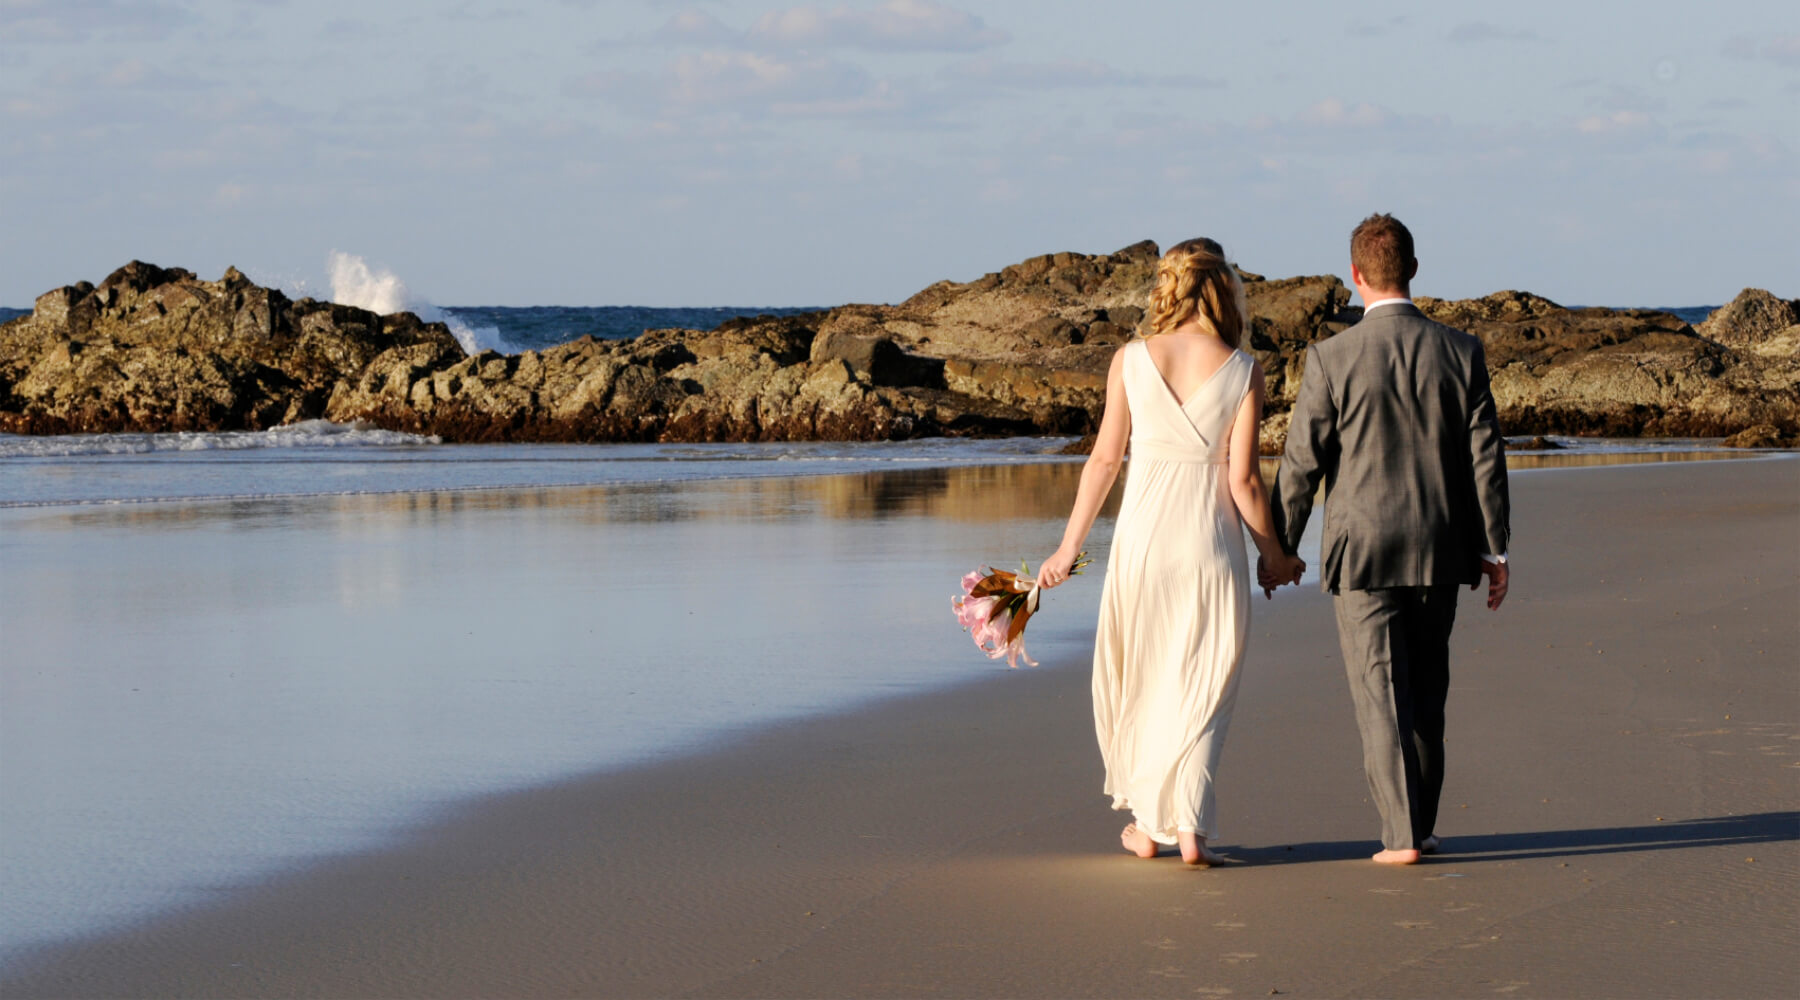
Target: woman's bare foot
<point>1137,841</point>
<point>1406,857</point>
<point>1195,852</point>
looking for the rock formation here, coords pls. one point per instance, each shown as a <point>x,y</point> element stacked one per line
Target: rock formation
<point>157,350</point>
<point>1021,351</point>
<point>1628,372</point>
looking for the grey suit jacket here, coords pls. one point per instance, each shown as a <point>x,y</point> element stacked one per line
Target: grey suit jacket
<point>1395,416</point>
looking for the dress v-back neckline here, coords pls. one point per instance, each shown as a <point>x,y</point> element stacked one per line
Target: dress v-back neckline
<point>1182,404</point>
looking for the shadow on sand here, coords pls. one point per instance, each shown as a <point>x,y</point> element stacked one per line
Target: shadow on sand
<point>1758,828</point>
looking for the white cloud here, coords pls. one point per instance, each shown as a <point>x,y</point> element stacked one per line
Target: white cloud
<point>229,195</point>
<point>1739,47</point>
<point>696,27</point>
<point>1614,123</point>
<point>1783,50</point>
<point>716,77</point>
<point>79,20</point>
<point>729,80</point>
<point>1375,29</point>
<point>1068,73</point>
<point>893,26</point>
<point>1628,99</point>
<point>1476,32</point>
<point>1336,113</point>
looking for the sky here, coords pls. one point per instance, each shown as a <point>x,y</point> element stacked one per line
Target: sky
<point>613,152</point>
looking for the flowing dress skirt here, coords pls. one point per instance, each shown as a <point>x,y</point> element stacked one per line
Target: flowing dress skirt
<point>1174,618</point>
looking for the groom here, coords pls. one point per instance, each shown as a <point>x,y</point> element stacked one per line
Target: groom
<point>1395,416</point>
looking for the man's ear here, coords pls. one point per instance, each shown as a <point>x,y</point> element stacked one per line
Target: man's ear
<point>1356,277</point>
<point>1412,270</point>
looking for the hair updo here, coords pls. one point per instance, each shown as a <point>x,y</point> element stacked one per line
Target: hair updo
<point>1195,281</point>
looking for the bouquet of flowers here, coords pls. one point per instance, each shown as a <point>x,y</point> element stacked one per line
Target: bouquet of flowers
<point>995,605</point>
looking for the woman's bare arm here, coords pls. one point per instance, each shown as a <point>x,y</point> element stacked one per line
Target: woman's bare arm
<point>1097,476</point>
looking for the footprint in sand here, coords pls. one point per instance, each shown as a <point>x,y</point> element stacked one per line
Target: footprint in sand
<point>1230,925</point>
<point>1463,908</point>
<point>1413,925</point>
<point>1388,892</point>
<point>1238,957</point>
<point>1213,991</point>
<point>1166,972</point>
<point>1166,944</point>
<point>1510,987</point>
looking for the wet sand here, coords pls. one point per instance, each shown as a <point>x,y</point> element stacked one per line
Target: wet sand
<point>1620,818</point>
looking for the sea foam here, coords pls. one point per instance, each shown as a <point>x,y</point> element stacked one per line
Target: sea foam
<point>355,283</point>
<point>305,434</point>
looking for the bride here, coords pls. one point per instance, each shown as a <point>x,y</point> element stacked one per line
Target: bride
<point>1175,608</point>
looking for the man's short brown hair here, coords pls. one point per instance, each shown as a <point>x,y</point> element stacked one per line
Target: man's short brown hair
<point>1382,249</point>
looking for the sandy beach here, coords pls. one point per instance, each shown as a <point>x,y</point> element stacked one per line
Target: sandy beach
<point>1620,817</point>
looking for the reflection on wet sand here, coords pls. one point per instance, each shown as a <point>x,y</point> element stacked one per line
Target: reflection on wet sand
<point>1581,460</point>
<point>958,494</point>
<point>964,494</point>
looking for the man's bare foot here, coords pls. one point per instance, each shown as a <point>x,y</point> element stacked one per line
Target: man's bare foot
<point>1429,845</point>
<point>1137,841</point>
<point>1406,857</point>
<point>1195,852</point>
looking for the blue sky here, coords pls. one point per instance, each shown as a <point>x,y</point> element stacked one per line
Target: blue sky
<point>596,152</point>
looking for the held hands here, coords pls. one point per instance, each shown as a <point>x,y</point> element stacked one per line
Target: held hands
<point>1497,575</point>
<point>1056,569</point>
<point>1272,573</point>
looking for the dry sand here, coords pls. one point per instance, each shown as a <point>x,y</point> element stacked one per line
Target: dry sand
<point>1620,819</point>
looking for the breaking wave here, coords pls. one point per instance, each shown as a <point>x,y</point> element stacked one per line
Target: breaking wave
<point>355,283</point>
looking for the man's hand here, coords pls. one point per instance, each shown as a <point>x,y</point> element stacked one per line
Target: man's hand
<point>1497,574</point>
<point>1269,575</point>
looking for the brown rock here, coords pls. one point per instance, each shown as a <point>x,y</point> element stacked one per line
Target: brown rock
<point>1760,436</point>
<point>878,359</point>
<point>1024,350</point>
<point>155,349</point>
<point>1751,318</point>
<point>1538,443</point>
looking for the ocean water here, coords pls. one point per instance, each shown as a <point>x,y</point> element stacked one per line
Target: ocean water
<point>535,328</point>
<point>319,458</point>
<point>1691,315</point>
<point>199,695</point>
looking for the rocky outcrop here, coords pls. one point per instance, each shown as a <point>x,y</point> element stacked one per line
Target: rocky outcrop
<point>1753,319</point>
<point>1761,436</point>
<point>154,349</point>
<point>1023,350</point>
<point>1629,372</point>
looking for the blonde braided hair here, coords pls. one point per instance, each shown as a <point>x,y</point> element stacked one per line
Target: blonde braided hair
<point>1195,281</point>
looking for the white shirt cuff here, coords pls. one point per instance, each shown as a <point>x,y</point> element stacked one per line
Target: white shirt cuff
<point>1499,559</point>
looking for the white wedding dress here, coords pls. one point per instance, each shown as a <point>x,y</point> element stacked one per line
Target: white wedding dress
<point>1175,608</point>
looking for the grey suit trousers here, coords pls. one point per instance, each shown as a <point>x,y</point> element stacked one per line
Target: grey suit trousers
<point>1396,645</point>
